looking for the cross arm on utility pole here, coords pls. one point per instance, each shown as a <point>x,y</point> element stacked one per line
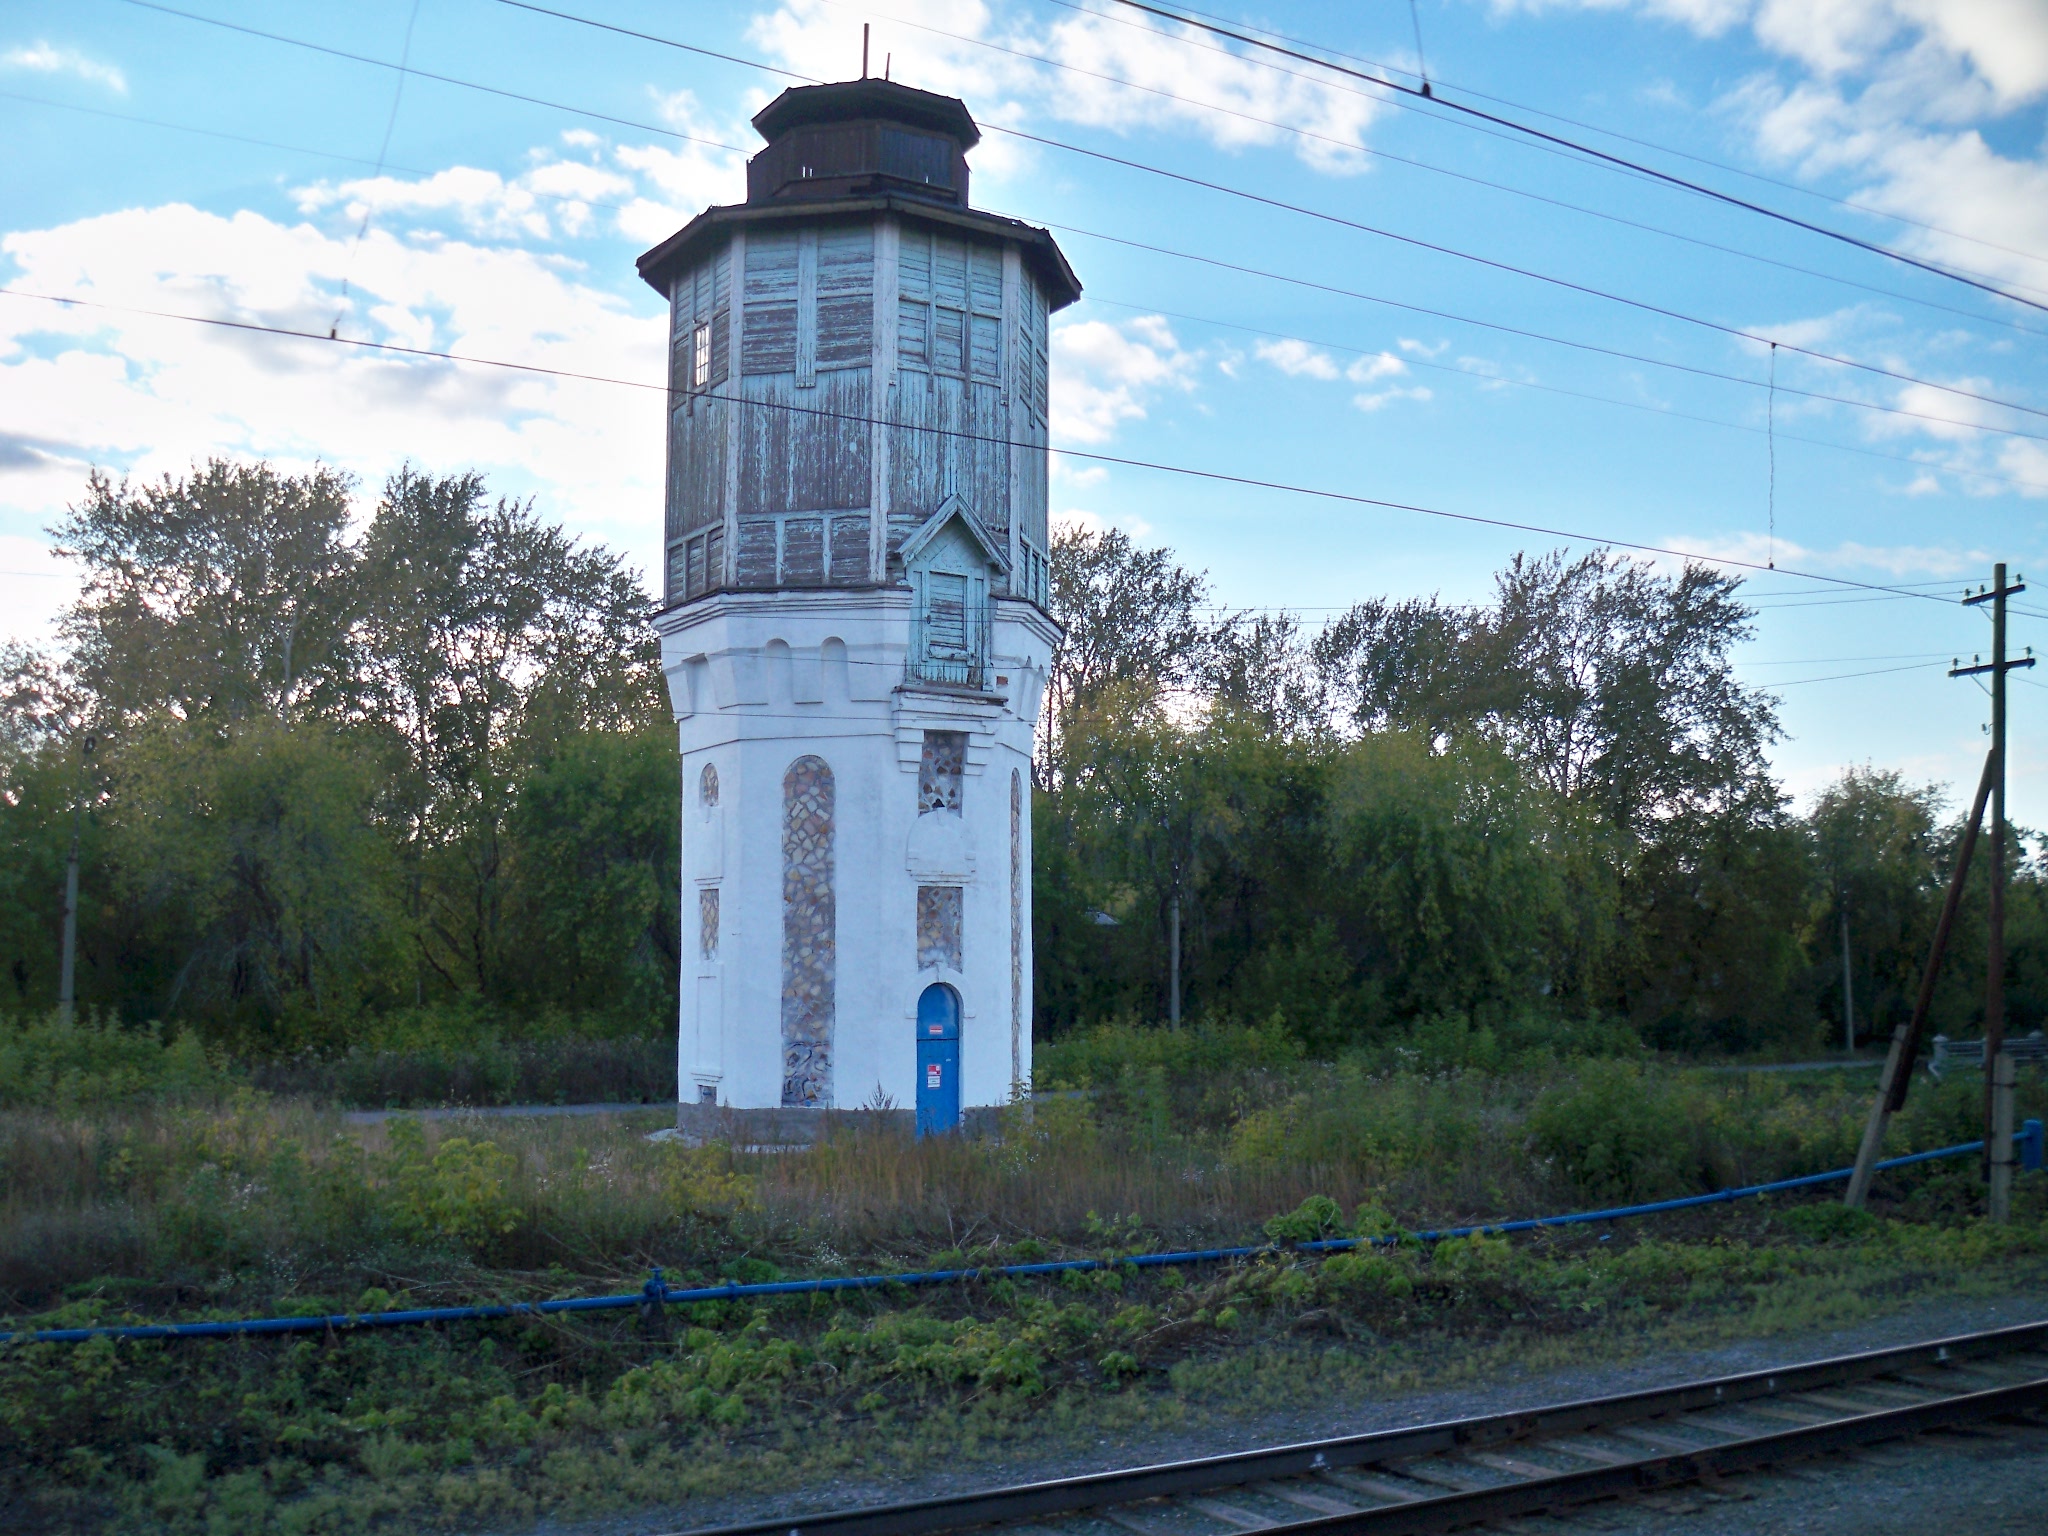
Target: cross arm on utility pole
<point>1997,1098</point>
<point>1959,670</point>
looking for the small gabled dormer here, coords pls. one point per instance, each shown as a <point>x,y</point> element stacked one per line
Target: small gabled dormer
<point>953,568</point>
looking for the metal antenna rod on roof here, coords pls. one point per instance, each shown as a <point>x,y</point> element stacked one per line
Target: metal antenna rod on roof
<point>863,50</point>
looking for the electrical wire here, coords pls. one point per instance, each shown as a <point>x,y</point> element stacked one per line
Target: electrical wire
<point>1841,677</point>
<point>1211,476</point>
<point>1570,122</point>
<point>383,149</point>
<point>1356,147</point>
<point>1524,332</point>
<point>1960,471</point>
<point>1698,188</point>
<point>1730,331</point>
<point>1734,332</point>
<point>300,149</point>
<point>468,85</point>
<point>1575,394</point>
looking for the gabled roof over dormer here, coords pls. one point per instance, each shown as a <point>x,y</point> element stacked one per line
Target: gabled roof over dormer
<point>950,511</point>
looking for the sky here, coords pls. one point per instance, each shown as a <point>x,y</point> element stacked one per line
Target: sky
<point>1291,276</point>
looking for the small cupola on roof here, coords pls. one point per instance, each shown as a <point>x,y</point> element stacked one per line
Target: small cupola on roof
<point>859,138</point>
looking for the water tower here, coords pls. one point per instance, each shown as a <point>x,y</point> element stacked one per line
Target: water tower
<point>855,628</point>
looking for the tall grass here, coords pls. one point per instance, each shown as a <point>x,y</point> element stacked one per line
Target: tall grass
<point>419,1060</point>
<point>249,1198</point>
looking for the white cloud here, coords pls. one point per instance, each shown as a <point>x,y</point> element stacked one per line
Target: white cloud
<point>1102,374</point>
<point>1889,93</point>
<point>148,396</point>
<point>1380,365</point>
<point>1297,359</point>
<point>1374,400</point>
<point>44,59</point>
<point>684,178</point>
<point>1893,562</point>
<point>34,586</point>
<point>1094,522</point>
<point>1176,80</point>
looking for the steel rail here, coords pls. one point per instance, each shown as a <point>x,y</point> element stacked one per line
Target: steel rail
<point>1064,1497</point>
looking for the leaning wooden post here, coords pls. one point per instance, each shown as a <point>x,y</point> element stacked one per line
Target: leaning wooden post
<point>2004,1073</point>
<point>1898,1065</point>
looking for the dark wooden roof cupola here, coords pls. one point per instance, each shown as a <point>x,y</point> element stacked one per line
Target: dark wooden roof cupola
<point>856,138</point>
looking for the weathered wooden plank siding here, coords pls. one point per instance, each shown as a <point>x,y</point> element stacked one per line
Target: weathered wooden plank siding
<point>805,450</point>
<point>846,296</point>
<point>855,374</point>
<point>768,344</point>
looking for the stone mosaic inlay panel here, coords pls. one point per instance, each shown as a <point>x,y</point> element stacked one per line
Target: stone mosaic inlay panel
<point>809,945</point>
<point>707,922</point>
<point>1016,930</point>
<point>938,771</point>
<point>938,927</point>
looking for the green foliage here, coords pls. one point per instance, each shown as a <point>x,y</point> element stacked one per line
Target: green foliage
<point>455,1192</point>
<point>1104,1052</point>
<point>340,773</point>
<point>50,1063</point>
<point>1617,1131</point>
<point>1315,1218</point>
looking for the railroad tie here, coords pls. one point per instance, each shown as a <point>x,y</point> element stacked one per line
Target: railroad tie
<point>1372,1487</point>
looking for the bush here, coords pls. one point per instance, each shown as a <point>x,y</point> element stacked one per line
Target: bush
<point>1099,1055</point>
<point>50,1063</point>
<point>1617,1132</point>
<point>566,1070</point>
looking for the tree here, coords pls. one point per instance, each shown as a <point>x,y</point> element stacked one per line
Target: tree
<point>1261,666</point>
<point>1412,665</point>
<point>595,874</point>
<point>215,597</point>
<point>258,856</point>
<point>487,635</point>
<point>1620,686</point>
<point>1874,839</point>
<point>1130,618</point>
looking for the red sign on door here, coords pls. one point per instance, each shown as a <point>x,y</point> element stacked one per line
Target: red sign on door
<point>931,1075</point>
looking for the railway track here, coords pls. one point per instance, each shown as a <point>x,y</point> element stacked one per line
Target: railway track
<point>1463,1472</point>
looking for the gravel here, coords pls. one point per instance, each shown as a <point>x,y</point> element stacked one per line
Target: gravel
<point>1991,1476</point>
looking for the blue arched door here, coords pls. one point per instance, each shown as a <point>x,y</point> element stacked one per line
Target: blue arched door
<point>938,1060</point>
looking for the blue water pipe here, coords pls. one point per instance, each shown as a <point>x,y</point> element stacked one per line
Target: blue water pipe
<point>656,1293</point>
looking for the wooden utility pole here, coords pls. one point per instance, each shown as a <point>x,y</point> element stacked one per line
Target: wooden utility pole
<point>1848,987</point>
<point>1898,1064</point>
<point>67,964</point>
<point>1997,1156</point>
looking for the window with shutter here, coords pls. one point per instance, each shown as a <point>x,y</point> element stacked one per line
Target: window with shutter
<point>946,615</point>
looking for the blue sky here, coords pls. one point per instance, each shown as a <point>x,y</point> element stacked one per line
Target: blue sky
<point>506,229</point>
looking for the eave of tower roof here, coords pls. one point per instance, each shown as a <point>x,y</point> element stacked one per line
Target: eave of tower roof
<point>1061,286</point>
<point>846,101</point>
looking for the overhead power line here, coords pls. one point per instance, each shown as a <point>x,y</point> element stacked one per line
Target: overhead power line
<point>295,149</point>
<point>1356,147</point>
<point>1839,677</point>
<point>1570,122</point>
<point>1699,188</point>
<point>1618,353</point>
<point>1303,210</point>
<point>1734,332</point>
<point>1123,461</point>
<point>467,85</point>
<point>1731,331</point>
<point>1486,377</point>
<point>1961,471</point>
